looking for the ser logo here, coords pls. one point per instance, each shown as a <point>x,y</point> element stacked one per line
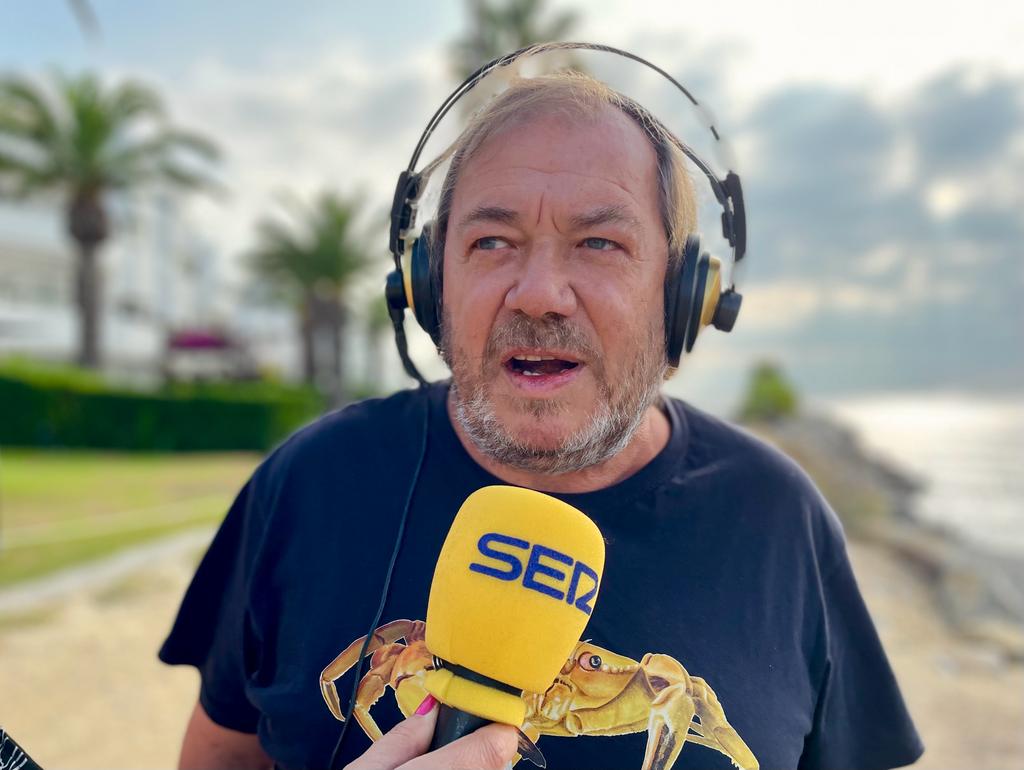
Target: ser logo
<point>541,561</point>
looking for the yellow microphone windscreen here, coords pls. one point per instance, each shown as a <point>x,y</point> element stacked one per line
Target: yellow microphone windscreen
<point>514,586</point>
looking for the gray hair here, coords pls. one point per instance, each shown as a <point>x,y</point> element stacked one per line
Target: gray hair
<point>576,96</point>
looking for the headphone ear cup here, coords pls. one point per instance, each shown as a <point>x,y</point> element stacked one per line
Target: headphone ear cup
<point>680,298</point>
<point>426,300</point>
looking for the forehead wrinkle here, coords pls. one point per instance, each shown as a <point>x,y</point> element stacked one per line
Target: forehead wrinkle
<point>489,213</point>
<point>614,213</point>
<point>558,171</point>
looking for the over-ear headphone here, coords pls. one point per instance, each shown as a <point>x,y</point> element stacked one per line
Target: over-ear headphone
<point>694,294</point>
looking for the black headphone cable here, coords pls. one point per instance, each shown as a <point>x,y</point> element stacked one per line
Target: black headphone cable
<point>423,390</point>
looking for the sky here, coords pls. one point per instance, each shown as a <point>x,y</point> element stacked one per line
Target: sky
<point>880,144</point>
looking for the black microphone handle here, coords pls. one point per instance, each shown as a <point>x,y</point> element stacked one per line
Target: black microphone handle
<point>452,724</point>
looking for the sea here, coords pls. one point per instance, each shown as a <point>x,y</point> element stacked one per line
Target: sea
<point>967,449</point>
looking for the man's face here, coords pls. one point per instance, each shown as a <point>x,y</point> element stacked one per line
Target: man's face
<point>555,250</point>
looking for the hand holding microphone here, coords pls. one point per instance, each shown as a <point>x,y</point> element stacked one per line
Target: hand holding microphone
<point>514,587</point>
<point>403,747</point>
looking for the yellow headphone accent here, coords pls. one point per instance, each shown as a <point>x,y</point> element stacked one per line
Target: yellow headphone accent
<point>712,291</point>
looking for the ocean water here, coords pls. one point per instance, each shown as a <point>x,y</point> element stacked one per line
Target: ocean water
<point>968,449</point>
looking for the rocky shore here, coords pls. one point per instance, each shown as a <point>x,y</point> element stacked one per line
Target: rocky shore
<point>979,592</point>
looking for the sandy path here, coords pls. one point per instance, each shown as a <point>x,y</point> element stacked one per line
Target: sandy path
<point>80,686</point>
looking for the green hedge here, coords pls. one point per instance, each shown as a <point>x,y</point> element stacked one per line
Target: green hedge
<point>64,407</point>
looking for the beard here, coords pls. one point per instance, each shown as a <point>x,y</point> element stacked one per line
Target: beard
<point>608,429</point>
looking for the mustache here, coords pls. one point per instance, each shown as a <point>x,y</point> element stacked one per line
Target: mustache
<point>554,331</point>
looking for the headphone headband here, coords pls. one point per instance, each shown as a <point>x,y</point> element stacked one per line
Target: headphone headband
<point>728,192</point>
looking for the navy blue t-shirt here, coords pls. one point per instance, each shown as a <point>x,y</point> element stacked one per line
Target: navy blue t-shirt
<point>728,613</point>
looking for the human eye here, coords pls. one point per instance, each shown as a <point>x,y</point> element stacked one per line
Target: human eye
<point>600,244</point>
<point>490,243</point>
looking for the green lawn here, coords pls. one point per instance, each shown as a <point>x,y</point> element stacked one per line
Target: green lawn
<point>62,508</point>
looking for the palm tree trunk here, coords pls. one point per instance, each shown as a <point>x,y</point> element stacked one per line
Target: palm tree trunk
<point>88,299</point>
<point>87,224</point>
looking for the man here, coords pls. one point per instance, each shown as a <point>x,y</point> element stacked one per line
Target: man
<point>729,630</point>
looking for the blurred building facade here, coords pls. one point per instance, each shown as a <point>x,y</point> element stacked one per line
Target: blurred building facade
<point>160,277</point>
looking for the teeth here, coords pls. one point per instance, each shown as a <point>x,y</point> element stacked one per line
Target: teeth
<point>538,374</point>
<point>534,358</point>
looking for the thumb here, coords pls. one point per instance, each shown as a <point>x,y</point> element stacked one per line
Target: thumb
<point>491,747</point>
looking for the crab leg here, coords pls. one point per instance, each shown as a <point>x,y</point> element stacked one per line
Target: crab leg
<point>718,733</point>
<point>672,710</point>
<point>372,686</point>
<point>386,634</point>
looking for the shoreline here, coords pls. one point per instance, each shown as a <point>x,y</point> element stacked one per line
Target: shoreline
<point>979,590</point>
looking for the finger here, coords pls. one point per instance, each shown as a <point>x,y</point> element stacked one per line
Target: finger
<point>489,748</point>
<point>408,739</point>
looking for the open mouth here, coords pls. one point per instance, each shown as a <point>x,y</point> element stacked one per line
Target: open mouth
<point>539,366</point>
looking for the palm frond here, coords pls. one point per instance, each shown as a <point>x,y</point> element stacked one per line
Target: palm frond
<point>130,101</point>
<point>158,158</point>
<point>20,177</point>
<point>278,261</point>
<point>90,129</point>
<point>193,143</point>
<point>319,245</point>
<point>25,112</point>
<point>90,136</point>
<point>186,178</point>
<point>497,28</point>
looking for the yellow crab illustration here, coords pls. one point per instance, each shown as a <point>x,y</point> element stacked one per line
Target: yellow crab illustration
<point>597,692</point>
<point>391,663</point>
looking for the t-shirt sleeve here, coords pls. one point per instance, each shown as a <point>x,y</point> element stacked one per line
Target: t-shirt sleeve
<point>860,721</point>
<point>213,630</point>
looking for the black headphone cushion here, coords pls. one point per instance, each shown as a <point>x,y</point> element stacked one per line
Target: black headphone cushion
<point>426,297</point>
<point>679,298</point>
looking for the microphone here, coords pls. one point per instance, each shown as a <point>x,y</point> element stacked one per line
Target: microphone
<point>513,589</point>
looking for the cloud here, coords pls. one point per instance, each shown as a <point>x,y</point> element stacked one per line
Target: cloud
<point>885,237</point>
<point>963,120</point>
<point>333,120</point>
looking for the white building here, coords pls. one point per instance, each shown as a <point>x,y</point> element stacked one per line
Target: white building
<point>158,275</point>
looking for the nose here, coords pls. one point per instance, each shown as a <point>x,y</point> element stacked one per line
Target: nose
<point>543,284</point>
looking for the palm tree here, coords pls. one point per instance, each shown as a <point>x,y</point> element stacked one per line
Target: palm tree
<point>84,140</point>
<point>500,27</point>
<point>310,261</point>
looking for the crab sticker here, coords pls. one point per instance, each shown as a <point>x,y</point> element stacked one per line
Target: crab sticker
<point>597,692</point>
